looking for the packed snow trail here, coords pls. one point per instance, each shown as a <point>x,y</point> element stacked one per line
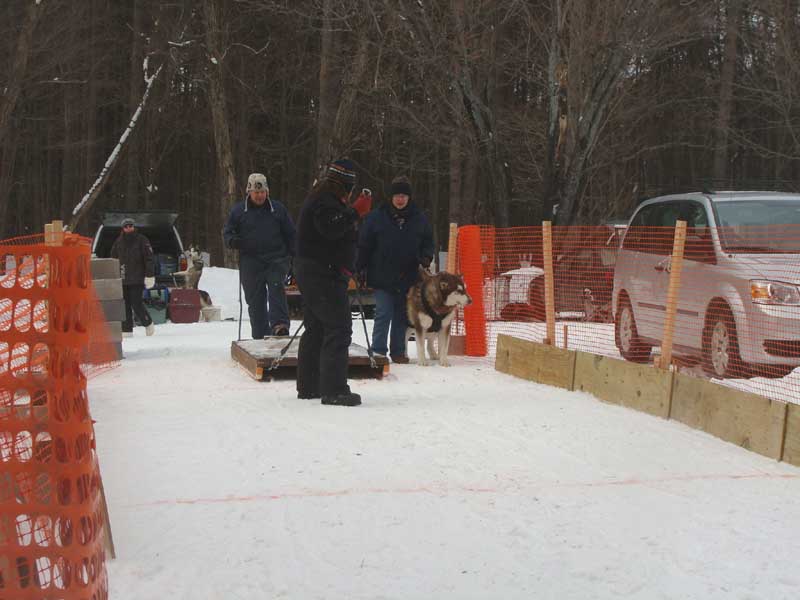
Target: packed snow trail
<point>446,483</point>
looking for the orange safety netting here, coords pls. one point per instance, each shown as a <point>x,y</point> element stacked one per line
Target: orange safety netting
<point>52,337</point>
<point>735,317</point>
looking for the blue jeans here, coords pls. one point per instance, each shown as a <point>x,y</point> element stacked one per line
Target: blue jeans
<point>265,295</point>
<point>390,307</point>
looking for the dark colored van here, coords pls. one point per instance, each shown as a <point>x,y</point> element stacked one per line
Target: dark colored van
<point>158,226</point>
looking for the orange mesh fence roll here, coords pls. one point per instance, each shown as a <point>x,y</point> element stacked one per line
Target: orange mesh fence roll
<point>471,260</point>
<point>51,517</point>
<point>737,313</point>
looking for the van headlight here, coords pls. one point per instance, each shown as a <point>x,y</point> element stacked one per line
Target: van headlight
<point>774,292</point>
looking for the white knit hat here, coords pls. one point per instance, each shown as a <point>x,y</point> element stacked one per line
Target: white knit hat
<point>257,181</point>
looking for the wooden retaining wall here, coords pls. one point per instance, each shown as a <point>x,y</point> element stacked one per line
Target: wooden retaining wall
<point>768,427</point>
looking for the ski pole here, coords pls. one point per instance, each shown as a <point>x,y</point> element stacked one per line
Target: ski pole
<point>372,362</point>
<point>277,362</point>
<point>240,300</point>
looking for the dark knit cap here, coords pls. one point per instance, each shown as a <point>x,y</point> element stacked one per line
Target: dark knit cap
<point>342,171</point>
<point>400,185</point>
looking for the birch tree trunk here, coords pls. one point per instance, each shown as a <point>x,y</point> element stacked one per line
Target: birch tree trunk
<point>82,208</point>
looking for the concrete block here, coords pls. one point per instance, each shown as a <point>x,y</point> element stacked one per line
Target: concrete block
<point>108,289</point>
<point>105,268</point>
<point>114,310</point>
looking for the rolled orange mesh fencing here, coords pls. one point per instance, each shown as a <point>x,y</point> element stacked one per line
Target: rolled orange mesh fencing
<point>734,318</point>
<point>51,514</point>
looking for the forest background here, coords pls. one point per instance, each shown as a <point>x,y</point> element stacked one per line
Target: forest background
<point>498,110</point>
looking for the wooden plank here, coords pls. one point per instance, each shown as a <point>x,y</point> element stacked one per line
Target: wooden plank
<point>747,420</point>
<point>49,239</point>
<point>675,269</point>
<point>58,233</point>
<point>256,356</point>
<point>791,443</point>
<point>535,362</point>
<point>549,286</point>
<point>247,362</point>
<point>458,345</point>
<point>108,537</point>
<point>640,387</point>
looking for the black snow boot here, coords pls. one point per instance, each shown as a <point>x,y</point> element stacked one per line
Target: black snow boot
<point>345,399</point>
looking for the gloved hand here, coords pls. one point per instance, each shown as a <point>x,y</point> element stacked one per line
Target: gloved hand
<point>363,204</point>
<point>149,282</point>
<point>425,261</point>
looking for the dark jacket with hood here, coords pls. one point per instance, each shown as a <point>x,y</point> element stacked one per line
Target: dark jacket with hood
<point>261,234</point>
<point>135,257</point>
<point>392,244</point>
<point>326,231</point>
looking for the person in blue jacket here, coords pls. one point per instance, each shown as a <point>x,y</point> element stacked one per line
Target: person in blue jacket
<point>393,242</point>
<point>261,229</point>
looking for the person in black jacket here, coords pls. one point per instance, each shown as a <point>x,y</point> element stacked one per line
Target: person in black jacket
<point>326,249</point>
<point>394,240</point>
<point>261,229</point>
<point>137,269</point>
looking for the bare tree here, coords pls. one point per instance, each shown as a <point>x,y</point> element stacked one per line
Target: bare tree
<point>216,43</point>
<point>729,58</point>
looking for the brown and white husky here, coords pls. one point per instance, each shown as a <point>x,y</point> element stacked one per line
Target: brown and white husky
<point>431,305</point>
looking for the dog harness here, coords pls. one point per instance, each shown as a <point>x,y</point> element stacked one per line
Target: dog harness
<point>437,318</point>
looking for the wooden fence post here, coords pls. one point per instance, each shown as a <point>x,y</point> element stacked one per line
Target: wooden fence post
<point>452,248</point>
<point>675,268</point>
<point>549,290</point>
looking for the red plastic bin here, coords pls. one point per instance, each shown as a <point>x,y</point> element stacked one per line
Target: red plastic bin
<point>184,306</point>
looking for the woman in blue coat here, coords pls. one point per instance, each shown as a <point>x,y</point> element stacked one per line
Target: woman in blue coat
<point>393,241</point>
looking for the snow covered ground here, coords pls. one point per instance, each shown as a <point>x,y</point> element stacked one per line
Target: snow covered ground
<point>454,483</point>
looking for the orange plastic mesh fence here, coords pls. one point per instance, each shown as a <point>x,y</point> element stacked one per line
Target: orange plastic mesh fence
<point>51,517</point>
<point>736,309</point>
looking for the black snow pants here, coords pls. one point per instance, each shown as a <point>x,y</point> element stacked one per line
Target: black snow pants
<point>325,343</point>
<point>132,294</point>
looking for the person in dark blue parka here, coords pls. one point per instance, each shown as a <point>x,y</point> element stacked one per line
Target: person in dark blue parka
<point>393,242</point>
<point>261,229</point>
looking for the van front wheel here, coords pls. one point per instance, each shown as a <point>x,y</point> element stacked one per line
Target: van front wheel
<point>721,358</point>
<point>629,343</point>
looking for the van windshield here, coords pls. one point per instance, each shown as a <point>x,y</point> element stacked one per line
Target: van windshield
<point>759,226</point>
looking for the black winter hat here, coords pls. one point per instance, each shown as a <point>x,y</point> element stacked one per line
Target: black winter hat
<point>343,172</point>
<point>400,185</point>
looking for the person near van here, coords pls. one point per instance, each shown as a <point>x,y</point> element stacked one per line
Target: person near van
<point>261,229</point>
<point>393,242</point>
<point>326,251</point>
<point>137,269</point>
